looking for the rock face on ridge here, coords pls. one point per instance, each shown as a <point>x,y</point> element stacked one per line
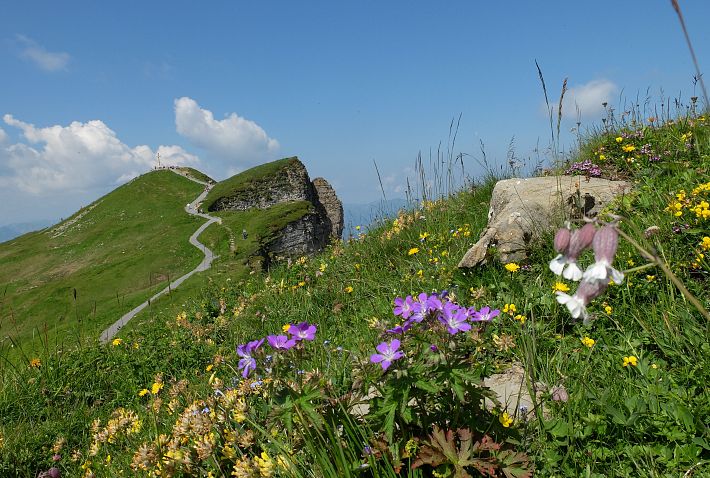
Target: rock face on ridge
<point>331,203</point>
<point>284,183</point>
<point>287,183</point>
<point>523,210</point>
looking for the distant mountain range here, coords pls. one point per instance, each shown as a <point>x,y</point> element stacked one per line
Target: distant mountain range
<point>11,231</point>
<point>368,214</point>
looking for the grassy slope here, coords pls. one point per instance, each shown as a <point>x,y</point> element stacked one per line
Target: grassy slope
<point>113,253</point>
<point>634,421</point>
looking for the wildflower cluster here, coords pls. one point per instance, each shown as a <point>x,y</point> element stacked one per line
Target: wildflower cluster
<point>696,205</point>
<point>122,424</point>
<point>427,308</point>
<point>586,168</point>
<point>597,277</point>
<point>208,432</point>
<point>440,359</point>
<point>297,333</point>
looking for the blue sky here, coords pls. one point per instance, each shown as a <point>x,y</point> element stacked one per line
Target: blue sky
<point>91,91</point>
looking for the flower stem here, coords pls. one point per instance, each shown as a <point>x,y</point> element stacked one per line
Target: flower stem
<point>655,260</point>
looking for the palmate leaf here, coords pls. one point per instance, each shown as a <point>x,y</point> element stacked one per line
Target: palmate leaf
<point>484,455</point>
<point>515,465</point>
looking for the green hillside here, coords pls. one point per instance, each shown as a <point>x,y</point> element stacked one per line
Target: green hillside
<point>625,396</point>
<point>71,280</point>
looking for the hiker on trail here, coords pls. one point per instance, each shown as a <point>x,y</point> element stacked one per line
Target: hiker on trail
<point>244,234</point>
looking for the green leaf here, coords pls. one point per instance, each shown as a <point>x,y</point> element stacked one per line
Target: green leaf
<point>427,386</point>
<point>558,428</point>
<point>389,421</point>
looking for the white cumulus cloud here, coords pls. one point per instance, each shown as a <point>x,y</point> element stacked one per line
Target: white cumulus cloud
<point>3,136</point>
<point>587,98</point>
<point>236,141</point>
<point>76,157</point>
<point>41,57</point>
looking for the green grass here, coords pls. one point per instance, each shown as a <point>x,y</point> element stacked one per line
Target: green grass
<point>648,420</point>
<point>113,254</point>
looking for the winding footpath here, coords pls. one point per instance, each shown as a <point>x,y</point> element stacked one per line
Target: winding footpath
<point>190,208</point>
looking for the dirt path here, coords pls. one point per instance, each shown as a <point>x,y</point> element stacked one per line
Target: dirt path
<point>190,208</point>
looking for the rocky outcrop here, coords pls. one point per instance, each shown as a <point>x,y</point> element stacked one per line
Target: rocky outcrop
<point>332,205</point>
<point>524,210</point>
<point>304,236</point>
<point>285,182</point>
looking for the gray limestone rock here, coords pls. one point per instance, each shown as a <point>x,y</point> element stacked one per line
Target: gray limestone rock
<point>523,210</point>
<point>332,205</point>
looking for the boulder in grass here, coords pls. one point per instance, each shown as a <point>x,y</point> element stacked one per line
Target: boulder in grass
<point>524,210</point>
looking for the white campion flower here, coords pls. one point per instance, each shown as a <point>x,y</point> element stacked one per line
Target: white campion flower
<point>577,303</point>
<point>569,250</point>
<point>604,244</point>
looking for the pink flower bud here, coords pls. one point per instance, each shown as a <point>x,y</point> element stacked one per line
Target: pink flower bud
<point>605,242</point>
<point>53,472</point>
<point>562,238</point>
<point>559,393</point>
<point>581,239</point>
<point>590,290</point>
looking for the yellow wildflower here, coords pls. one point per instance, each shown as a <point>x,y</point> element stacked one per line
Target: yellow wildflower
<point>509,309</point>
<point>505,419</point>
<point>512,267</point>
<point>35,363</point>
<point>348,289</point>
<point>423,235</point>
<point>560,286</point>
<point>143,392</point>
<point>157,387</point>
<point>619,139</point>
<point>630,360</point>
<point>413,251</point>
<point>265,465</point>
<point>209,367</point>
<point>285,327</point>
<point>116,342</point>
<point>608,309</point>
<point>589,342</point>
<point>628,148</point>
<point>520,318</point>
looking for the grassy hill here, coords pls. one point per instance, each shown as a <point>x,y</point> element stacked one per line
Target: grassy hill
<point>626,396</point>
<point>77,277</point>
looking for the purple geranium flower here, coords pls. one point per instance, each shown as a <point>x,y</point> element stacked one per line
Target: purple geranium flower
<point>302,331</point>
<point>247,363</point>
<point>280,342</point>
<point>402,328</point>
<point>406,307</point>
<point>485,314</point>
<point>388,353</point>
<point>434,303</point>
<point>454,318</point>
<point>470,313</point>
